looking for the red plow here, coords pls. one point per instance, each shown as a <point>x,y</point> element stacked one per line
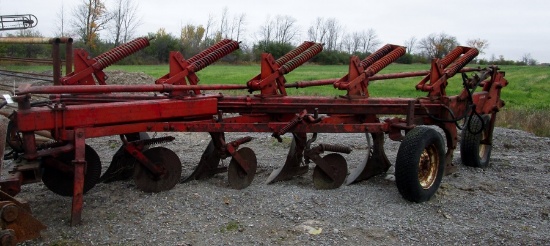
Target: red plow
<point>84,107</point>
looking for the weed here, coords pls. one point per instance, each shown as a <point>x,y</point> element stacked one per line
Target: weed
<point>231,226</point>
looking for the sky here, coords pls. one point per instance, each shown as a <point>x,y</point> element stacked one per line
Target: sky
<point>512,28</point>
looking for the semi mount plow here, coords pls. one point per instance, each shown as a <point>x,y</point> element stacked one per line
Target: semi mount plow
<point>86,107</point>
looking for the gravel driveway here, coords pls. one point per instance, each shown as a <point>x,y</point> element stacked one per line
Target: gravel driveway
<point>506,203</point>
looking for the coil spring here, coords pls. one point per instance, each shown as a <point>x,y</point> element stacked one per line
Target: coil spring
<point>118,53</point>
<point>461,62</point>
<point>201,63</point>
<point>372,58</point>
<point>385,61</point>
<point>157,140</point>
<point>335,148</point>
<point>208,51</point>
<point>49,145</point>
<point>293,53</point>
<point>290,124</point>
<point>101,56</point>
<point>301,58</point>
<point>449,58</point>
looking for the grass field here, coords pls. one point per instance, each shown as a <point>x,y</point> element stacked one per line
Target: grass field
<point>527,96</point>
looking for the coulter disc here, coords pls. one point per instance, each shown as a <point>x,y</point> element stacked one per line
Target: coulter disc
<point>238,178</point>
<point>339,167</point>
<point>148,182</point>
<point>62,182</point>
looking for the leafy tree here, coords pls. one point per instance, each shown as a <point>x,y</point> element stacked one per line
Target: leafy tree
<point>162,45</point>
<point>437,45</point>
<point>90,17</point>
<point>26,50</point>
<point>405,59</point>
<point>332,57</point>
<point>276,49</point>
<point>191,37</point>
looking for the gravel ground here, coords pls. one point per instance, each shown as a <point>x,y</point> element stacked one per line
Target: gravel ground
<point>506,203</point>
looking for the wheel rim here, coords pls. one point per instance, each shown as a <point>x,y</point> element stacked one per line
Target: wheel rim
<point>483,148</point>
<point>427,167</point>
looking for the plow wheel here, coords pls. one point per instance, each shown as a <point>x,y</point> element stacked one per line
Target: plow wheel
<point>420,164</point>
<point>58,174</point>
<point>237,176</point>
<point>475,144</point>
<point>122,164</point>
<point>339,169</point>
<point>147,181</point>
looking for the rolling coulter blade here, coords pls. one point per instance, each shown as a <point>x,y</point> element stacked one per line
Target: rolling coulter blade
<point>237,176</point>
<point>148,182</point>
<point>58,174</point>
<point>208,165</point>
<point>339,169</point>
<point>122,164</point>
<point>375,163</point>
<point>294,164</point>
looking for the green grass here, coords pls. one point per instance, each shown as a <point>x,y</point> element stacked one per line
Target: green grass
<point>526,96</point>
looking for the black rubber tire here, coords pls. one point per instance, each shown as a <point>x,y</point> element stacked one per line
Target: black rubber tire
<point>63,183</point>
<point>418,143</point>
<point>472,152</point>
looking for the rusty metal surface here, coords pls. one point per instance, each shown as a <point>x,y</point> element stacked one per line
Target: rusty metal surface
<point>294,164</point>
<point>82,109</point>
<point>27,40</point>
<point>58,172</point>
<point>87,69</point>
<point>242,168</point>
<point>376,162</point>
<point>330,171</point>
<point>164,159</point>
<point>17,223</point>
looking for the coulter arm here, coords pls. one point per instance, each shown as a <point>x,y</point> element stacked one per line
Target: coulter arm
<point>357,79</point>
<point>87,69</point>
<point>181,69</point>
<point>271,81</point>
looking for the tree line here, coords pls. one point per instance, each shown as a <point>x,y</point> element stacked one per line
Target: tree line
<point>99,27</point>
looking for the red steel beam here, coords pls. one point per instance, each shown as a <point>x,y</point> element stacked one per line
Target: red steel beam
<point>46,118</point>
